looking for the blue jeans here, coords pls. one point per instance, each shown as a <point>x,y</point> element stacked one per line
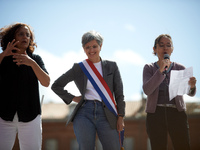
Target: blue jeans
<point>91,119</point>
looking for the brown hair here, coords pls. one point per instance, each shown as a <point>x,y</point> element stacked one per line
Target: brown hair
<point>157,40</point>
<point>7,34</point>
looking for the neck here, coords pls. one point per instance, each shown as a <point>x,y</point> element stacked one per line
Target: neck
<point>95,60</point>
<point>22,51</point>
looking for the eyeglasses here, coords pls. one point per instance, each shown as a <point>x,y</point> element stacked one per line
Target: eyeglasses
<point>89,47</point>
<point>167,45</point>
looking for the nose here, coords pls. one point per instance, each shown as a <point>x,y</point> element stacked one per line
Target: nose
<point>25,36</point>
<point>165,47</point>
<point>90,48</point>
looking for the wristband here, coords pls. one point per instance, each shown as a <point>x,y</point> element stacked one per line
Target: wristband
<point>120,115</point>
<point>192,89</point>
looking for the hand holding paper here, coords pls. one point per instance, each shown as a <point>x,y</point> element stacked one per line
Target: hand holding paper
<point>179,82</point>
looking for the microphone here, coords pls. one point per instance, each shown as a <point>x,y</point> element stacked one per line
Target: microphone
<point>166,56</point>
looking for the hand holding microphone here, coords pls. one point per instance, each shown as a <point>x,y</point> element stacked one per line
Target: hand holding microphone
<point>166,59</point>
<point>165,63</point>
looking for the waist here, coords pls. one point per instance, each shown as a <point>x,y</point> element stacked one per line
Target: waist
<point>167,105</point>
<point>92,101</point>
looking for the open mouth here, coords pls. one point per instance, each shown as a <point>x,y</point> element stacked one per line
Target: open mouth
<point>92,53</point>
<point>24,42</point>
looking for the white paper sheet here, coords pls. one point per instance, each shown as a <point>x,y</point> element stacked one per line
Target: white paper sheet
<point>179,82</point>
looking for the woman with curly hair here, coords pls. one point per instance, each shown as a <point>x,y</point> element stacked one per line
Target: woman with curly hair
<point>20,71</point>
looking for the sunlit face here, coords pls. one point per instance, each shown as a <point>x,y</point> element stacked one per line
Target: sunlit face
<point>92,50</point>
<point>23,36</point>
<point>163,47</point>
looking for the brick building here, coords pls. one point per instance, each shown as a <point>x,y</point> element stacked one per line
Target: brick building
<point>56,136</point>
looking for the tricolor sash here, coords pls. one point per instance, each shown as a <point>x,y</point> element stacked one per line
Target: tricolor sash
<point>102,89</point>
<point>99,84</point>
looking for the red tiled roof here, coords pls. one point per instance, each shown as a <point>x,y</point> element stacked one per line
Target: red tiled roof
<point>59,111</point>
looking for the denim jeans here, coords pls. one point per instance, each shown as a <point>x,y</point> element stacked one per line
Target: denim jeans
<point>91,119</point>
<point>166,121</point>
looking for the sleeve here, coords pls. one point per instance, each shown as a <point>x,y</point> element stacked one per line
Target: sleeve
<point>151,79</point>
<point>60,83</point>
<point>118,91</point>
<point>40,62</point>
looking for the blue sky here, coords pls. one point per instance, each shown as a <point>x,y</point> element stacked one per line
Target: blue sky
<point>129,28</point>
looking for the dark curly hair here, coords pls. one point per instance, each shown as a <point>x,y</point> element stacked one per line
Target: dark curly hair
<point>7,34</point>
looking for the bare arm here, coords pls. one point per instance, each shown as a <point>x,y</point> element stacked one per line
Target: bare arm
<point>24,59</point>
<point>42,76</point>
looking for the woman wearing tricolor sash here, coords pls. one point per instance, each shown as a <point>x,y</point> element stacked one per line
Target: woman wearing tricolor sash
<point>101,107</point>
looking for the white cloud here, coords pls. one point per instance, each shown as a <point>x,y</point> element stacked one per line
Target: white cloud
<point>190,99</point>
<point>57,65</point>
<point>129,27</point>
<point>135,97</point>
<point>129,56</point>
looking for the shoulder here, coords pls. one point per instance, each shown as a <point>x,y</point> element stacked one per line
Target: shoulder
<point>109,65</point>
<point>150,65</point>
<point>76,67</point>
<point>178,66</point>
<point>109,62</point>
<point>35,56</point>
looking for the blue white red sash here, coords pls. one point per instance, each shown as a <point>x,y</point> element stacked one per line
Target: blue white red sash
<point>99,84</point>
<point>102,89</point>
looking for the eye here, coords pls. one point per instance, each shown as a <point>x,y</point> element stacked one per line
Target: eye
<point>87,47</point>
<point>95,46</point>
<point>169,45</point>
<point>28,35</point>
<point>161,45</point>
<point>20,34</point>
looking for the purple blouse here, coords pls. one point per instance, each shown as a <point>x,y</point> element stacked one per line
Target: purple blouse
<point>152,79</point>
